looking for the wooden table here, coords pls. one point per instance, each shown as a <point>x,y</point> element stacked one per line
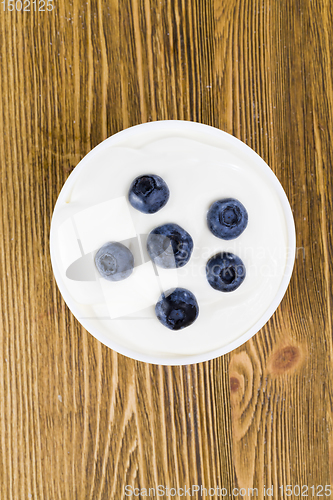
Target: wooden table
<point>77,420</point>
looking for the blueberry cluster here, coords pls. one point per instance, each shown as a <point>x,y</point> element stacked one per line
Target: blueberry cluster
<point>170,246</point>
<point>226,219</point>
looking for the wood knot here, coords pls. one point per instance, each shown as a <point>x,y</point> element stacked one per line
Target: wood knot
<point>286,359</point>
<point>234,384</point>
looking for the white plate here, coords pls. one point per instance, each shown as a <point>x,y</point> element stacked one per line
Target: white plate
<point>213,153</point>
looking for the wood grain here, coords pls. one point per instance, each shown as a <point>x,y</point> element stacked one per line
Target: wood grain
<point>77,420</point>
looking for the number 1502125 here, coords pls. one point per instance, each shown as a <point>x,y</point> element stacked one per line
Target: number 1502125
<point>28,5</point>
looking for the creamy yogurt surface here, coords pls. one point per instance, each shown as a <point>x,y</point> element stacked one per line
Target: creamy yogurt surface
<point>199,168</point>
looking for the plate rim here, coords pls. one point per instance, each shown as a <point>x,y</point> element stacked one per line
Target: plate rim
<point>178,360</point>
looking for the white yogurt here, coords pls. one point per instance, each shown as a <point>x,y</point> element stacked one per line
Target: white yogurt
<point>199,168</point>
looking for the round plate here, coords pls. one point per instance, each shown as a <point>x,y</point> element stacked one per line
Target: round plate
<point>209,152</point>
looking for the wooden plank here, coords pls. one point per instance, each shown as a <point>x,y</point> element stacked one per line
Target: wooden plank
<point>277,76</point>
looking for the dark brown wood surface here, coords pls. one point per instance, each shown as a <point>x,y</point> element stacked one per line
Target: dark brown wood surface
<point>77,420</point>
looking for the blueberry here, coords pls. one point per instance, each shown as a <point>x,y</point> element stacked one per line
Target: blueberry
<point>148,193</point>
<point>114,261</point>
<point>177,309</point>
<point>225,272</point>
<point>227,218</point>
<point>169,246</point>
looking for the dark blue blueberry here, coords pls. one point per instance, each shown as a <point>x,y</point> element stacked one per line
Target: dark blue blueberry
<point>227,218</point>
<point>148,193</point>
<point>177,309</point>
<point>225,272</point>
<point>169,246</point>
<point>114,261</point>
